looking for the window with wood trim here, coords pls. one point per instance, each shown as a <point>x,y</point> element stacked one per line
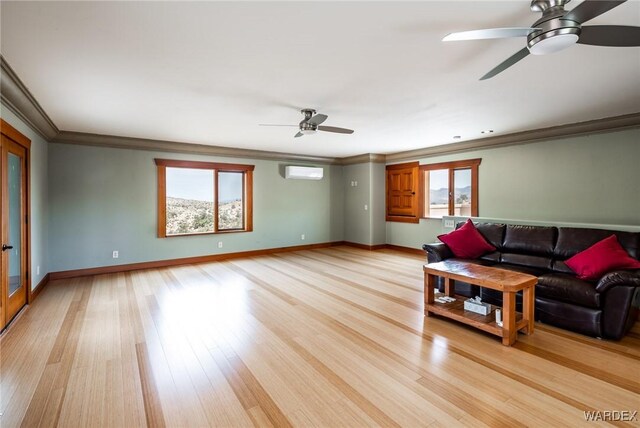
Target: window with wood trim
<point>450,188</point>
<point>197,198</point>
<point>403,196</point>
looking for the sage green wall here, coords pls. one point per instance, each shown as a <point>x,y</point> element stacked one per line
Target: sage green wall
<point>104,199</point>
<point>88,201</point>
<point>39,196</point>
<point>357,221</point>
<point>378,203</point>
<point>585,179</point>
<point>364,226</point>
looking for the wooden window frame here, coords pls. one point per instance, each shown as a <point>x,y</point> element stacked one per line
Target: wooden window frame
<point>452,166</point>
<point>415,218</point>
<point>216,167</point>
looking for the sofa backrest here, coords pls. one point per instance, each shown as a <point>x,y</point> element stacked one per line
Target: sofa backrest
<point>493,233</point>
<point>572,240</point>
<point>547,247</point>
<point>529,246</point>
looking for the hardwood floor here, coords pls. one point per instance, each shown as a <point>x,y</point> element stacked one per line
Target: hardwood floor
<point>328,337</point>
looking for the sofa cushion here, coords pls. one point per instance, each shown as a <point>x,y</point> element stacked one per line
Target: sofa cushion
<point>533,240</point>
<point>530,270</point>
<point>466,242</point>
<point>569,289</point>
<point>493,257</point>
<point>538,262</point>
<point>492,232</point>
<point>602,257</point>
<point>560,266</point>
<point>572,240</point>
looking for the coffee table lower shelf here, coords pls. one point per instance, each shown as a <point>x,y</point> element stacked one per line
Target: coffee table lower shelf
<point>455,310</point>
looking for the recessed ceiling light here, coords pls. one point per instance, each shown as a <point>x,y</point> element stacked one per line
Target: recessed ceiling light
<point>456,137</point>
<point>487,131</point>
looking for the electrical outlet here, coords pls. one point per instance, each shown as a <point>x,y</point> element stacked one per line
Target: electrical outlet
<point>366,207</point>
<point>356,183</point>
<point>302,237</point>
<point>37,270</point>
<point>448,224</point>
<point>220,244</point>
<point>116,254</point>
<point>353,183</point>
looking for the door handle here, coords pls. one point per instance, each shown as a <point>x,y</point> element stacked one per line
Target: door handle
<point>6,247</point>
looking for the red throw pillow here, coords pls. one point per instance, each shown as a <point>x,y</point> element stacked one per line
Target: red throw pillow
<point>600,258</point>
<point>467,242</point>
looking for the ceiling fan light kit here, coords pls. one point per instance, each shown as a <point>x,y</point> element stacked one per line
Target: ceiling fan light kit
<point>552,42</point>
<point>558,29</point>
<point>553,33</point>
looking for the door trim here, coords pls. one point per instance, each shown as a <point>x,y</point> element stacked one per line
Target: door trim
<point>17,137</point>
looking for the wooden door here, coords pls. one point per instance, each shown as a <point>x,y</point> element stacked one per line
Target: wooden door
<point>402,192</point>
<point>14,275</point>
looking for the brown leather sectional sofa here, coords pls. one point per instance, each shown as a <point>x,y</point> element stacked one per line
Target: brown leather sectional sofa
<point>605,308</point>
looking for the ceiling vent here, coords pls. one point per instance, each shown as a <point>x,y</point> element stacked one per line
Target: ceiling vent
<point>303,173</point>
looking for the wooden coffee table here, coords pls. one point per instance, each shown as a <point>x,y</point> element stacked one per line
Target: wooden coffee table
<point>508,282</point>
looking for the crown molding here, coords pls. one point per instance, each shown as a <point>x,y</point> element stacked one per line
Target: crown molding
<point>87,139</point>
<point>626,121</point>
<point>365,158</point>
<point>17,98</point>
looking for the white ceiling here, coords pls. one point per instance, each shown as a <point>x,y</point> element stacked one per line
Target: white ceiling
<point>209,72</point>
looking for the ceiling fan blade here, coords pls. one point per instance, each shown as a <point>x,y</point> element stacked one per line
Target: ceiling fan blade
<point>299,134</point>
<point>271,124</point>
<point>589,9</point>
<point>489,33</point>
<point>610,35</point>
<point>318,119</point>
<point>335,129</point>
<point>522,53</point>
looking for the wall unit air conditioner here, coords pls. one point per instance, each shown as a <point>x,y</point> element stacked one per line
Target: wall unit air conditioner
<point>303,173</point>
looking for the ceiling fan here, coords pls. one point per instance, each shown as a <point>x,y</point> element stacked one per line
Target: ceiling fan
<point>312,123</point>
<point>558,29</point>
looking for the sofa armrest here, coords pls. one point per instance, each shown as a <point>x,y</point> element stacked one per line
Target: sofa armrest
<point>437,252</point>
<point>619,277</point>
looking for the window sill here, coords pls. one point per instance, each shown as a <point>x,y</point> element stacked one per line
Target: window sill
<point>220,232</point>
<point>402,219</point>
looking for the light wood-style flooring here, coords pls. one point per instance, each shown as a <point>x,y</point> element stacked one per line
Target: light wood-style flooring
<point>328,337</point>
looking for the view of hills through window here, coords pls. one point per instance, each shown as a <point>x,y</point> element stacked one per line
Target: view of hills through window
<point>439,192</point>
<point>190,201</point>
<point>230,206</point>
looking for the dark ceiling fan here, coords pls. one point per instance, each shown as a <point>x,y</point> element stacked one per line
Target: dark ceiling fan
<point>558,29</point>
<point>312,123</point>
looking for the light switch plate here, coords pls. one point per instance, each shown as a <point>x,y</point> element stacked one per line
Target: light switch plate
<point>448,223</point>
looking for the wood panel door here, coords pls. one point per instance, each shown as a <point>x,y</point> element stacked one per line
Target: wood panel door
<point>402,192</point>
<point>14,268</point>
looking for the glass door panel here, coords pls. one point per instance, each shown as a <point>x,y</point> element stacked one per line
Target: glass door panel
<point>14,184</point>
<point>14,228</point>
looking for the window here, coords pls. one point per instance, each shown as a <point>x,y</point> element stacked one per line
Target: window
<point>403,192</point>
<point>196,198</point>
<point>450,188</point>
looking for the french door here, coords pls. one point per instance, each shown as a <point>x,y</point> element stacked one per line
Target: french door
<point>14,155</point>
